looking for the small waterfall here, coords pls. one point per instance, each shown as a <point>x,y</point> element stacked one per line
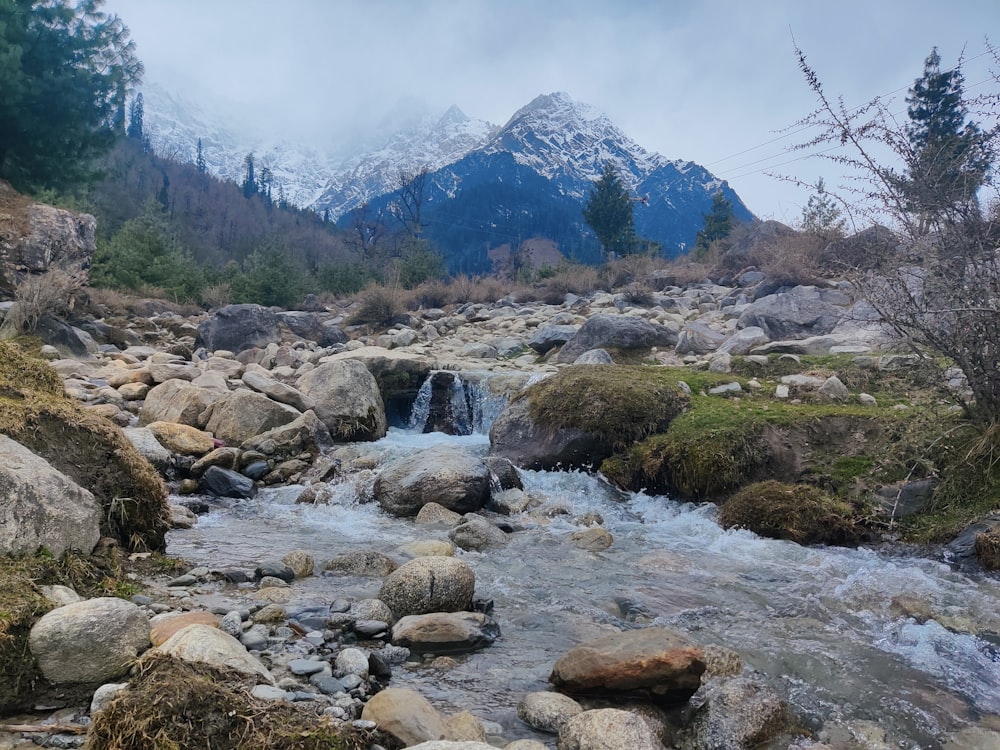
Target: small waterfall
<point>448,403</point>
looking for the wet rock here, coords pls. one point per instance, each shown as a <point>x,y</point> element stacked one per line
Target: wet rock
<point>226,483</point>
<point>42,507</point>
<point>450,477</point>
<point>593,540</point>
<point>362,563</point>
<point>90,642</point>
<point>445,632</point>
<point>406,715</point>
<point>660,664</point>
<point>464,727</point>
<point>274,569</point>
<point>547,712</point>
<point>435,513</point>
<point>739,713</point>
<point>301,563</point>
<point>608,729</point>
<point>429,584</point>
<point>476,533</point>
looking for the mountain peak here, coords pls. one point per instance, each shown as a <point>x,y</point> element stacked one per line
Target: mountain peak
<point>453,116</point>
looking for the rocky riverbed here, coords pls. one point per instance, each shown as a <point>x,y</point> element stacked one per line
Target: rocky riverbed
<point>270,428</point>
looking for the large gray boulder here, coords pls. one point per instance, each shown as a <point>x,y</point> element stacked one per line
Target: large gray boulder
<point>615,332</point>
<point>304,434</point>
<point>429,584</point>
<point>347,400</point>
<point>309,326</point>
<point>238,327</point>
<point>698,338</point>
<point>178,401</point>
<point>445,632</point>
<point>550,336</point>
<point>739,713</point>
<point>451,477</point>
<point>608,729</point>
<point>243,414</point>
<point>209,645</point>
<point>276,390</point>
<point>797,313</point>
<point>89,642</point>
<point>41,507</point>
<point>406,715</point>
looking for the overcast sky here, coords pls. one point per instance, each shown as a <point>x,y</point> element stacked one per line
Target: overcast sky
<point>702,80</point>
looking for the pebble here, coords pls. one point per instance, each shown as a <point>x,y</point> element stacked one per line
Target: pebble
<point>306,667</point>
<point>327,684</point>
<point>370,627</point>
<point>268,693</point>
<point>231,623</point>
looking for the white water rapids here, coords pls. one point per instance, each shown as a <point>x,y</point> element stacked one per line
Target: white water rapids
<point>818,622</point>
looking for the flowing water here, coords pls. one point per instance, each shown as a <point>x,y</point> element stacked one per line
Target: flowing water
<point>819,622</point>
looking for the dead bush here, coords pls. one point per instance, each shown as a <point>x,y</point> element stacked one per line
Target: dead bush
<point>377,307</point>
<point>50,293</point>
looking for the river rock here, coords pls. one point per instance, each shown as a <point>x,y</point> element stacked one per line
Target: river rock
<point>305,434</point>
<point>235,328</point>
<point>515,436</point>
<point>351,661</point>
<point>90,642</point>
<point>661,664</point>
<point>177,401</point>
<point>362,563</point>
<point>226,483</point>
<point>209,645</point>
<point>445,632</point>
<point>429,584</point>
<point>594,539</point>
<point>608,729</point>
<point>451,477</point>
<point>739,713</point>
<point>476,533</point>
<point>547,712</point>
<point>460,745</point>
<point>615,332</point>
<point>301,563</point>
<point>276,390</point>
<point>149,447</point>
<point>372,610</point>
<point>406,715</point>
<point>163,627</point>
<point>435,513</point>
<point>42,507</point>
<point>182,439</point>
<point>242,415</point>
<point>347,400</point>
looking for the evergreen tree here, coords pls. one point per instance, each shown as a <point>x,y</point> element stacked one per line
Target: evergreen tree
<point>65,71</point>
<point>719,222</point>
<point>135,115</point>
<point>822,216</point>
<point>948,162</point>
<point>249,176</point>
<point>200,160</point>
<point>609,213</point>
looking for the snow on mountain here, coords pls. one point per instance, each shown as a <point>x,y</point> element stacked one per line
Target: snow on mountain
<point>429,143</point>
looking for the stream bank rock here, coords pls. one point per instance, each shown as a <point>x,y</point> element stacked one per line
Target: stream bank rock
<point>347,400</point>
<point>615,332</point>
<point>656,663</point>
<point>445,632</point>
<point>237,327</point>
<point>42,507</point>
<point>89,642</point>
<point>455,479</point>
<point>608,729</point>
<point>406,715</point>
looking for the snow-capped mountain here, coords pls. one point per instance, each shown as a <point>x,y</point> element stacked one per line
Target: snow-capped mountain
<point>430,143</point>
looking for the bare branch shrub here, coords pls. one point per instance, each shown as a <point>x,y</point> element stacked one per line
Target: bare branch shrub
<point>49,293</point>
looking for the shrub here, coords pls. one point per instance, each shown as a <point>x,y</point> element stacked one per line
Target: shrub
<point>378,307</point>
<point>52,292</point>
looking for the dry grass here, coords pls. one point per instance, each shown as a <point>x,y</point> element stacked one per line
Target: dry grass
<point>176,705</point>
<point>49,293</point>
<point>377,307</point>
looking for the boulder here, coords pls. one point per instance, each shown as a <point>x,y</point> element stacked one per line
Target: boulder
<point>516,436</point>
<point>362,563</point>
<point>182,439</point>
<point>89,642</point>
<point>451,477</point>
<point>468,745</point>
<point>309,326</point>
<point>445,632</point>
<point>615,332</point>
<point>549,337</point>
<point>547,712</point>
<point>165,626</point>
<point>177,401</point>
<point>226,483</point>
<point>242,415</point>
<point>800,312</point>
<point>235,328</point>
<point>276,390</point>
<point>594,357</point>
<point>743,341</point>
<point>347,400</point>
<point>698,338</point>
<point>42,507</point>
<point>149,447</point>
<point>406,715</point>
<point>209,645</point>
<point>608,729</point>
<point>69,340</point>
<point>304,434</point>
<point>660,664</point>
<point>301,563</point>
<point>476,533</point>
<point>593,540</point>
<point>737,714</point>
<point>429,584</point>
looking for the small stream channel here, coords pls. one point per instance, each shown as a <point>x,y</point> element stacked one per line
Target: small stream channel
<point>818,622</point>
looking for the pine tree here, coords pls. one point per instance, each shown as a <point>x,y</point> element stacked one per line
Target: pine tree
<point>135,116</point>
<point>249,176</point>
<point>822,216</point>
<point>719,223</point>
<point>948,161</point>
<point>609,213</point>
<point>65,71</point>
<point>199,161</point>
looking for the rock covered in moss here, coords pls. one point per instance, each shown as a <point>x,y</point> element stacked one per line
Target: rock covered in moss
<point>799,512</point>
